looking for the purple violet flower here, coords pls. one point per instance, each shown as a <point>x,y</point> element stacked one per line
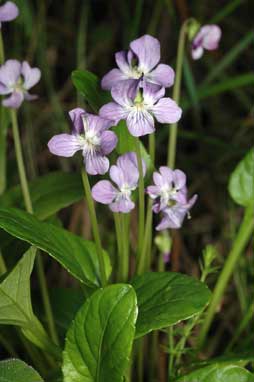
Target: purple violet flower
<point>90,134</point>
<point>170,197</point>
<point>140,62</point>
<point>8,12</point>
<point>208,38</point>
<point>125,175</point>
<point>139,106</point>
<point>17,78</point>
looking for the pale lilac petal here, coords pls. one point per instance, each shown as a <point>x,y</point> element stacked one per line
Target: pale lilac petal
<point>108,142</point>
<point>151,93</point>
<point>31,75</point>
<point>162,75</point>
<point>140,123</point>
<point>122,62</point>
<point>114,112</point>
<point>181,196</point>
<point>104,192</point>
<point>153,191</point>
<point>4,90</point>
<point>212,36</point>
<point>96,164</point>
<point>197,53</point>
<point>167,174</point>
<point>64,145</point>
<point>147,49</point>
<point>158,179</point>
<point>129,169</point>
<point>14,101</point>
<point>10,72</point>
<point>117,175</point>
<point>9,11</point>
<point>166,111</point>
<point>131,159</point>
<point>112,78</point>
<point>97,123</point>
<point>125,92</point>
<point>123,205</point>
<point>179,179</point>
<point>76,117</point>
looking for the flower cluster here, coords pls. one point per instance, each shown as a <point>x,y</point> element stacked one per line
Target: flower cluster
<point>138,91</point>
<point>169,193</point>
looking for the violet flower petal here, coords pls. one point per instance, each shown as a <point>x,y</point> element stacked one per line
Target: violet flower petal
<point>140,123</point>
<point>96,164</point>
<point>112,78</point>
<point>123,205</point>
<point>124,93</point>
<point>212,36</point>
<point>166,111</point>
<point>113,112</point>
<point>14,101</point>
<point>104,192</point>
<point>10,72</point>
<point>122,62</point>
<point>108,142</point>
<point>179,179</point>
<point>117,175</point>
<point>147,49</point>
<point>130,158</point>
<point>9,11</point>
<point>64,145</point>
<point>76,118</point>
<point>96,123</point>
<point>162,75</point>
<point>31,75</point>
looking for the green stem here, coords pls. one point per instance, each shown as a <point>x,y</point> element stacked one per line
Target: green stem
<point>151,143</point>
<point>125,254</point>
<point>2,58</point>
<point>29,208</point>
<point>95,227</point>
<point>3,268</point>
<point>141,219</point>
<point>119,240</point>
<point>142,259</point>
<point>171,352</point>
<point>176,94</point>
<point>239,244</point>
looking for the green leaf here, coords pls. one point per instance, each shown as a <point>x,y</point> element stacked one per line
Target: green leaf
<point>241,183</point>
<point>75,254</point>
<point>15,370</point>
<point>88,84</point>
<point>15,298</point>
<point>49,193</point>
<point>218,373</point>
<point>99,342</point>
<point>165,298</point>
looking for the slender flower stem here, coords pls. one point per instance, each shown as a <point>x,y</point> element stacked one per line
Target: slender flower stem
<point>151,143</point>
<point>171,352</point>
<point>142,259</point>
<point>176,94</point>
<point>2,58</point>
<point>29,208</point>
<point>125,254</point>
<point>119,245</point>
<point>141,220</point>
<point>95,227</point>
<point>239,244</point>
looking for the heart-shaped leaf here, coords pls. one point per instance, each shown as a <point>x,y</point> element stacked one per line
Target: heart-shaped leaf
<point>15,370</point>
<point>165,298</point>
<point>99,342</point>
<point>77,255</point>
<point>218,373</point>
<point>241,183</point>
<point>88,84</point>
<point>49,193</point>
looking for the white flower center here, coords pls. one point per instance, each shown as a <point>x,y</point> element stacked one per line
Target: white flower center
<point>167,191</point>
<point>90,141</point>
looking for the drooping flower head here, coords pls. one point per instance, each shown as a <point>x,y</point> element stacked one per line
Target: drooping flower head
<point>125,175</point>
<point>90,135</point>
<point>208,38</point>
<point>139,106</point>
<point>8,12</point>
<point>139,63</point>
<point>16,79</point>
<point>169,193</point>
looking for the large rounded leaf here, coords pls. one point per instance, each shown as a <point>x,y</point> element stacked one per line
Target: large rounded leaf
<point>241,183</point>
<point>77,255</point>
<point>15,370</point>
<point>218,373</point>
<point>99,342</point>
<point>165,298</point>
